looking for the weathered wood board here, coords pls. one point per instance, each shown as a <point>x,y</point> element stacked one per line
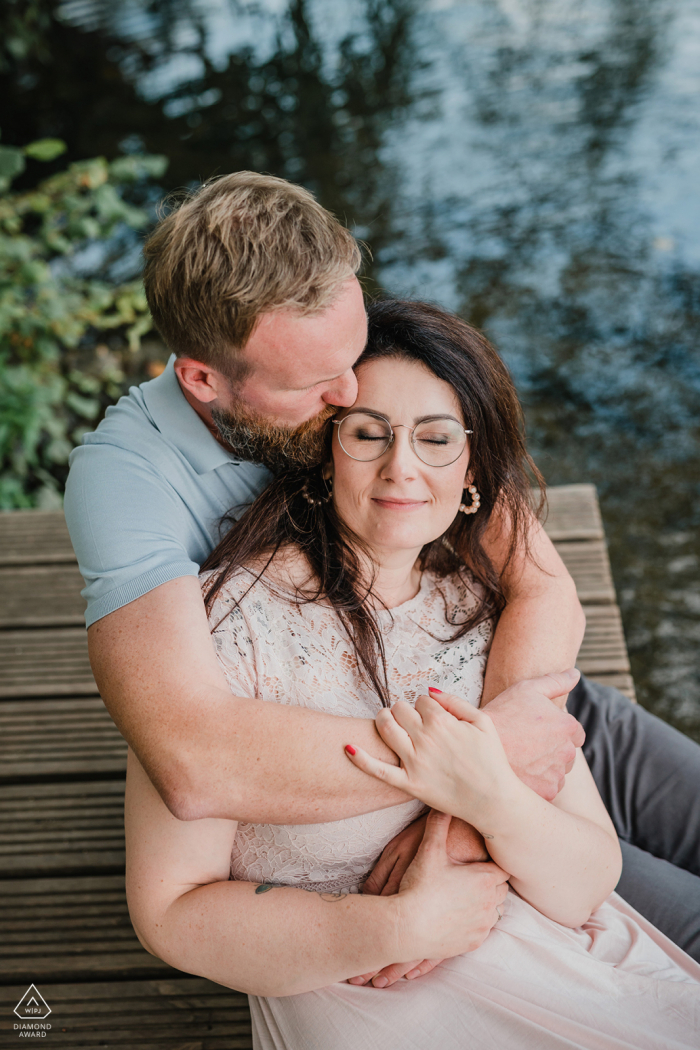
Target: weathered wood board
<point>178,1013</point>
<point>574,514</point>
<point>45,662</point>
<point>72,737</point>
<point>41,596</point>
<point>34,537</point>
<point>62,828</point>
<point>55,928</point>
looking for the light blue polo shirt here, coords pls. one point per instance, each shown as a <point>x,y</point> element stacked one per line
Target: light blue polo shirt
<point>146,492</point>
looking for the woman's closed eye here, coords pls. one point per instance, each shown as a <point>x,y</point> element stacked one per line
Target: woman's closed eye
<point>366,431</point>
<point>437,436</point>
<point>361,435</point>
<point>434,439</point>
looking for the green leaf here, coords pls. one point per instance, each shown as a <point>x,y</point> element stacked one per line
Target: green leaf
<point>86,407</point>
<point>45,149</point>
<point>12,162</point>
<point>138,166</point>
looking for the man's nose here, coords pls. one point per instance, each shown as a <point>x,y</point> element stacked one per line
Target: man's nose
<point>343,390</point>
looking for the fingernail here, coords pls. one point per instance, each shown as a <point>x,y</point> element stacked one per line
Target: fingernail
<point>380,982</point>
<point>411,974</point>
<point>432,689</point>
<point>350,749</point>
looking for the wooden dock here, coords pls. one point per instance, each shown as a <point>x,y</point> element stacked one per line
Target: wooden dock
<point>63,918</point>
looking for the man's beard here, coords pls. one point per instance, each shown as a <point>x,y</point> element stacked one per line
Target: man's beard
<point>251,437</point>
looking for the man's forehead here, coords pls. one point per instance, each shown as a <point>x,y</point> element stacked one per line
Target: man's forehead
<point>304,349</point>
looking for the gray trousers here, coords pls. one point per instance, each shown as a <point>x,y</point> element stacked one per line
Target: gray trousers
<point>649,777</point>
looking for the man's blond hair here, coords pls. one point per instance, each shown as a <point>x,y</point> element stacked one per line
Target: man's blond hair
<point>240,246</point>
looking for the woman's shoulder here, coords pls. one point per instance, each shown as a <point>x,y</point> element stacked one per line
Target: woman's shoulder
<point>287,574</point>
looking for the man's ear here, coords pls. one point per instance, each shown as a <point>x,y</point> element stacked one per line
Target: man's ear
<point>202,381</point>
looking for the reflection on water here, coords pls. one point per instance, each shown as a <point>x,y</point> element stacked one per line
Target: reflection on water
<point>530,163</point>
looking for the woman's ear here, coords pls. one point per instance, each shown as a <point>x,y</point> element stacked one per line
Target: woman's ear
<point>327,472</point>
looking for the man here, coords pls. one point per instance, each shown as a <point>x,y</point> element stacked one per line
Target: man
<point>252,285</point>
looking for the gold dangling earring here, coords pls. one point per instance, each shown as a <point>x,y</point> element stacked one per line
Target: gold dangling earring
<point>475,503</point>
<point>317,501</point>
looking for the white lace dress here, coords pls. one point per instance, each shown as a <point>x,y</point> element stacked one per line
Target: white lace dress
<point>614,984</point>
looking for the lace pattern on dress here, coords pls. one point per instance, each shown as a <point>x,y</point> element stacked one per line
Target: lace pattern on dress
<point>293,653</point>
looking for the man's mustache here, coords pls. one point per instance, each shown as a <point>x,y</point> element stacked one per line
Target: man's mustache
<point>251,437</point>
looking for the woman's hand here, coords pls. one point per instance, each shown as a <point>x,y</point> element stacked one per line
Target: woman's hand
<point>451,757</point>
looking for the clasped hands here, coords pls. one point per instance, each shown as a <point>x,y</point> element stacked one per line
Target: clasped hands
<point>458,759</point>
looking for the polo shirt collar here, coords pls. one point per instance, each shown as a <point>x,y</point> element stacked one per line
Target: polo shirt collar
<point>179,424</point>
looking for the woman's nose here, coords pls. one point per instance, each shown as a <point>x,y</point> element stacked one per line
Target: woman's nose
<point>343,391</point>
<point>400,461</point>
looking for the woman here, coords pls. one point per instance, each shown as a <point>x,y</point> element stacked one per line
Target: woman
<point>351,590</point>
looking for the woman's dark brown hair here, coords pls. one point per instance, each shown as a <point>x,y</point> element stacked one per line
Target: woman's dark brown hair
<point>282,516</point>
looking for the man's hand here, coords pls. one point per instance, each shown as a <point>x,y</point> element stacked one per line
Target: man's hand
<point>464,846</point>
<point>471,917</point>
<point>539,738</point>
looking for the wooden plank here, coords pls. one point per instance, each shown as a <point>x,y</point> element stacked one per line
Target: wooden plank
<point>62,829</point>
<point>43,739</point>
<point>76,928</point>
<point>589,565</point>
<point>41,595</point>
<point>179,1013</point>
<point>603,650</point>
<point>45,663</point>
<point>34,537</point>
<point>573,514</point>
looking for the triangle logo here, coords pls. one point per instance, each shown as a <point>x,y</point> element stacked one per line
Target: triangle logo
<point>32,1005</point>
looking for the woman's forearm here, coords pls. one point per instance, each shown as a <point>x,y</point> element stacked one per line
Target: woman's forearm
<point>564,864</point>
<point>281,941</point>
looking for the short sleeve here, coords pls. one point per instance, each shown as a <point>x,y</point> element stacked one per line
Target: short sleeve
<point>127,525</point>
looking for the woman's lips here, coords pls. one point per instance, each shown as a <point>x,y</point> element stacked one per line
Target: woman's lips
<point>399,504</point>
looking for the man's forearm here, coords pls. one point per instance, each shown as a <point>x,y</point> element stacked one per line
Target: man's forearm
<point>208,752</point>
<point>265,763</point>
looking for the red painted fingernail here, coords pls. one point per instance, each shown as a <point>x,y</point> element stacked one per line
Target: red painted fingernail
<point>432,689</point>
<point>350,749</point>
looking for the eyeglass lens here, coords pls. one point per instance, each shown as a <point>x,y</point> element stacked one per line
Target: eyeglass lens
<point>437,442</point>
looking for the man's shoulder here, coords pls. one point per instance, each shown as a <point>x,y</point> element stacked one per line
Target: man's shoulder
<point>127,427</point>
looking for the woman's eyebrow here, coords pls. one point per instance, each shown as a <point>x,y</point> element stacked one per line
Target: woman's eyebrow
<point>432,415</point>
<point>416,421</point>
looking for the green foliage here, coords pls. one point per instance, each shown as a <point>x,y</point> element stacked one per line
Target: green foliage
<point>65,338</point>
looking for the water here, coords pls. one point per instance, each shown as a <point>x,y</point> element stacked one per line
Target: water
<point>532,164</point>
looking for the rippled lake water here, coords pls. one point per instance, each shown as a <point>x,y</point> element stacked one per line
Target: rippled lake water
<point>532,164</point>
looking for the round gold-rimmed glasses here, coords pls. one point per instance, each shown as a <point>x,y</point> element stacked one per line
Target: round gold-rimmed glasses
<point>436,440</point>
